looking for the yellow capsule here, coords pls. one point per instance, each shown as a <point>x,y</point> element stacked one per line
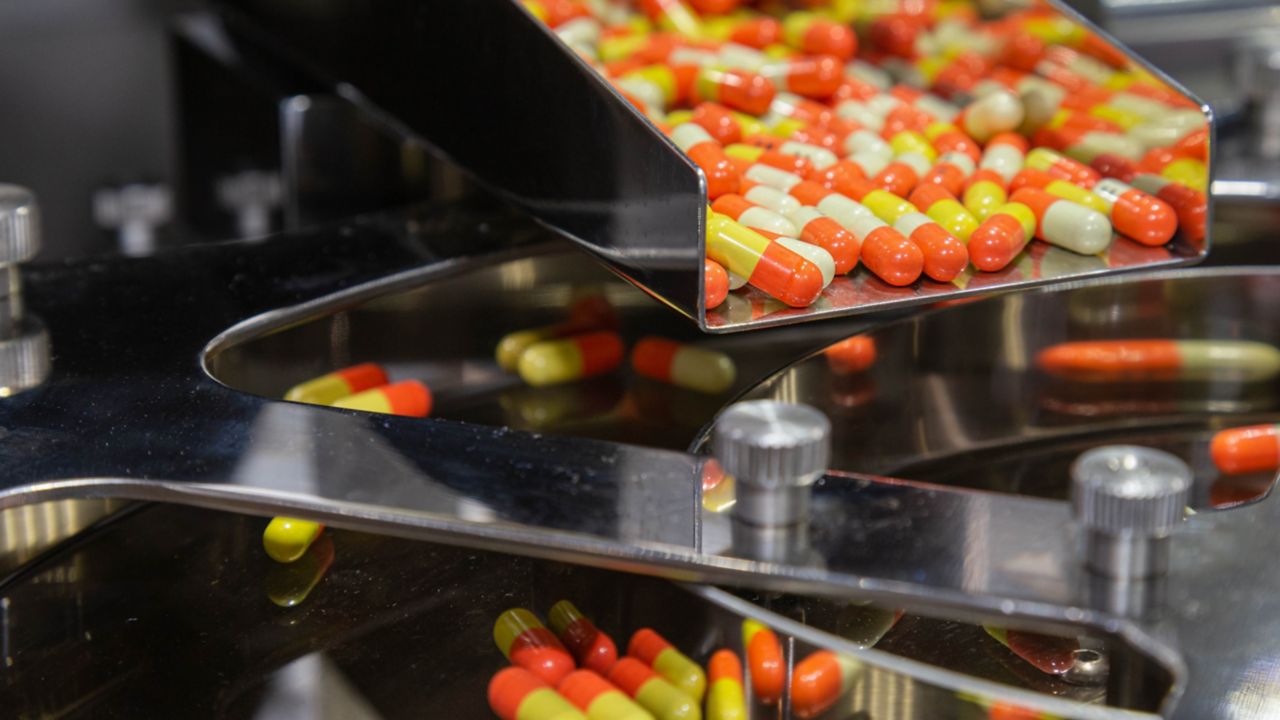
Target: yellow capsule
<point>1078,195</point>
<point>785,127</point>
<point>536,9</point>
<point>338,384</point>
<point>620,47</point>
<point>679,117</point>
<point>573,358</point>
<point>908,141</point>
<point>750,124</point>
<point>1123,118</point>
<point>1189,172</point>
<point>887,206</point>
<point>983,197</point>
<point>286,539</point>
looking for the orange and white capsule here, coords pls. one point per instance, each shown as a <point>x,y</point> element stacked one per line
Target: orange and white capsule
<point>1066,224</point>
<point>599,698</point>
<point>902,174</point>
<point>947,138</point>
<point>887,253</point>
<point>1163,360</point>
<point>752,215</point>
<point>818,229</point>
<point>1000,237</point>
<point>945,256</point>
<point>338,384</point>
<point>408,398</point>
<point>1191,205</point>
<point>1255,448</point>
<point>523,640</point>
<point>774,177</point>
<point>653,692</point>
<point>1061,166</point>
<point>517,694</point>
<point>650,648</point>
<point>951,170</point>
<point>820,680</point>
<point>741,90</point>
<point>766,264</point>
<point>770,197</point>
<point>1145,218</point>
<point>726,697</point>
<point>592,648</point>
<point>722,176</point>
<point>812,76</point>
<point>573,358</point>
<point>683,365</point>
<point>997,112</point>
<point>1005,153</point>
<point>765,661</point>
<point>771,158</point>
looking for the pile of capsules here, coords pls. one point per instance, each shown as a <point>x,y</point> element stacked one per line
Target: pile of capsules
<point>587,344</point>
<point>572,672</point>
<point>913,137</point>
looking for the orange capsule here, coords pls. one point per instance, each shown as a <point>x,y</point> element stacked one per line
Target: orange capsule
<point>818,229</point>
<point>767,264</point>
<point>838,177</point>
<point>718,121</point>
<point>945,256</point>
<point>812,76</point>
<point>726,698</point>
<point>892,257</point>
<point>1136,214</point>
<point>757,32</point>
<point>816,35</point>
<point>722,176</point>
<point>592,648</point>
<point>950,172</point>
<point>715,7</point>
<point>898,177</point>
<point>820,680</point>
<point>748,92</point>
<point>896,34</point>
<point>1255,448</point>
<point>1000,237</point>
<point>524,641</point>
<point>716,283</point>
<point>765,661</point>
<point>947,138</point>
<point>1194,144</point>
<point>599,698</point>
<point>1066,224</point>
<point>408,398</point>
<point>517,694</point>
<point>852,355</point>
<point>1191,205</point>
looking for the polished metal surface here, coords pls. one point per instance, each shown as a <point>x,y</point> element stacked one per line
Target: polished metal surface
<point>775,452</point>
<point>529,119</point>
<point>1128,501</point>
<point>19,224</point>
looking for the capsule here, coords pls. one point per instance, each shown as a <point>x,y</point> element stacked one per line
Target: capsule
<point>820,230</point>
<point>852,355</point>
<point>886,252</point>
<point>1191,205</point>
<point>286,539</point>
<point>767,264</point>
<point>1065,224</point>
<point>820,680</point>
<point>288,585</point>
<point>951,170</point>
<point>947,138</point>
<point>726,698</point>
<point>1077,195</point>
<point>791,164</point>
<point>715,283</point>
<point>592,648</point>
<point>719,122</point>
<point>649,647</point>
<point>945,256</point>
<point>1000,237</point>
<point>1006,154</point>
<point>769,197</point>
<point>1136,214</point>
<point>773,177</point>
<point>1144,360</point>
<point>653,693</point>
<point>985,193</point>
<point>902,174</point>
<point>338,384</point>
<point>945,210</point>
<point>815,35</point>
<point>673,15</point>
<point>683,365</point>
<point>408,398</point>
<point>998,112</point>
<point>752,215</point>
<point>1255,448</point>
<point>765,661</point>
<point>599,698</point>
<point>722,176</point>
<point>573,358</point>
<point>812,76</point>
<point>1050,655</point>
<point>738,89</point>
<point>1063,167</point>
<point>517,694</point>
<point>1115,166</point>
<point>527,643</point>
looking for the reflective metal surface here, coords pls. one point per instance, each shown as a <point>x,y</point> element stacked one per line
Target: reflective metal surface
<point>531,120</point>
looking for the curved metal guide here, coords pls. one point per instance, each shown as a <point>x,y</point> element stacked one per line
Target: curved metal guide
<point>498,93</point>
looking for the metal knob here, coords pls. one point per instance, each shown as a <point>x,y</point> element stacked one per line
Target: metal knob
<point>19,224</point>
<point>1128,500</point>
<point>774,451</point>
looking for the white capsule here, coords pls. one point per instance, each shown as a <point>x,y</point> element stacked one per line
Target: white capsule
<point>851,214</point>
<point>915,161</point>
<point>814,254</point>
<point>868,73</point>
<point>1144,106</point>
<point>1168,129</point>
<point>1076,228</point>
<point>860,113</point>
<point>820,157</point>
<point>689,135</point>
<point>649,93</point>
<point>867,141</point>
<point>580,31</point>
<point>694,56</point>
<point>996,113</point>
<point>883,104</point>
<point>762,218</point>
<point>1005,159</point>
<point>772,176</point>
<point>742,57</point>
<point>960,160</point>
<point>1092,144</point>
<point>870,161</point>
<point>772,198</point>
<point>736,281</point>
<point>940,109</point>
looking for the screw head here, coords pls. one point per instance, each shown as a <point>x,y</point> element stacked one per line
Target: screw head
<point>1130,490</point>
<point>19,224</point>
<point>772,444</point>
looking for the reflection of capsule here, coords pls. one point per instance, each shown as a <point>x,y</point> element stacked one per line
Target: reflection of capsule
<point>338,384</point>
<point>591,312</point>
<point>765,661</point>
<point>1117,360</point>
<point>1061,166</point>
<point>652,649</point>
<point>593,649</point>
<point>683,365</point>
<point>726,698</point>
<point>1050,655</point>
<point>286,539</point>
<point>524,641</point>
<point>652,692</point>
<point>820,680</point>
<point>599,698</point>
<point>408,398</point>
<point>574,358</point>
<point>289,585</point>
<point>1255,448</point>
<point>517,694</point>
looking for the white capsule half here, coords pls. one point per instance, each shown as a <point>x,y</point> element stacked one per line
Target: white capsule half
<point>814,254</point>
<point>1076,228</point>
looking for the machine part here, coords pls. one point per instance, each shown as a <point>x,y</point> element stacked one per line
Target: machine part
<point>251,196</point>
<point>24,344</point>
<point>1128,500</point>
<point>134,211</point>
<point>775,452</point>
<point>591,165</point>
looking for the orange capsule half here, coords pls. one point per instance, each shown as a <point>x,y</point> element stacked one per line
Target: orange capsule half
<point>1255,448</point>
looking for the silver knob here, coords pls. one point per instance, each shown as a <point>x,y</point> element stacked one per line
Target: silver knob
<point>1128,500</point>
<point>774,451</point>
<point>19,224</point>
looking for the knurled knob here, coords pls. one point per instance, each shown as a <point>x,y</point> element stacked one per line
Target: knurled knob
<point>770,444</point>
<point>1126,489</point>
<point>19,224</point>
